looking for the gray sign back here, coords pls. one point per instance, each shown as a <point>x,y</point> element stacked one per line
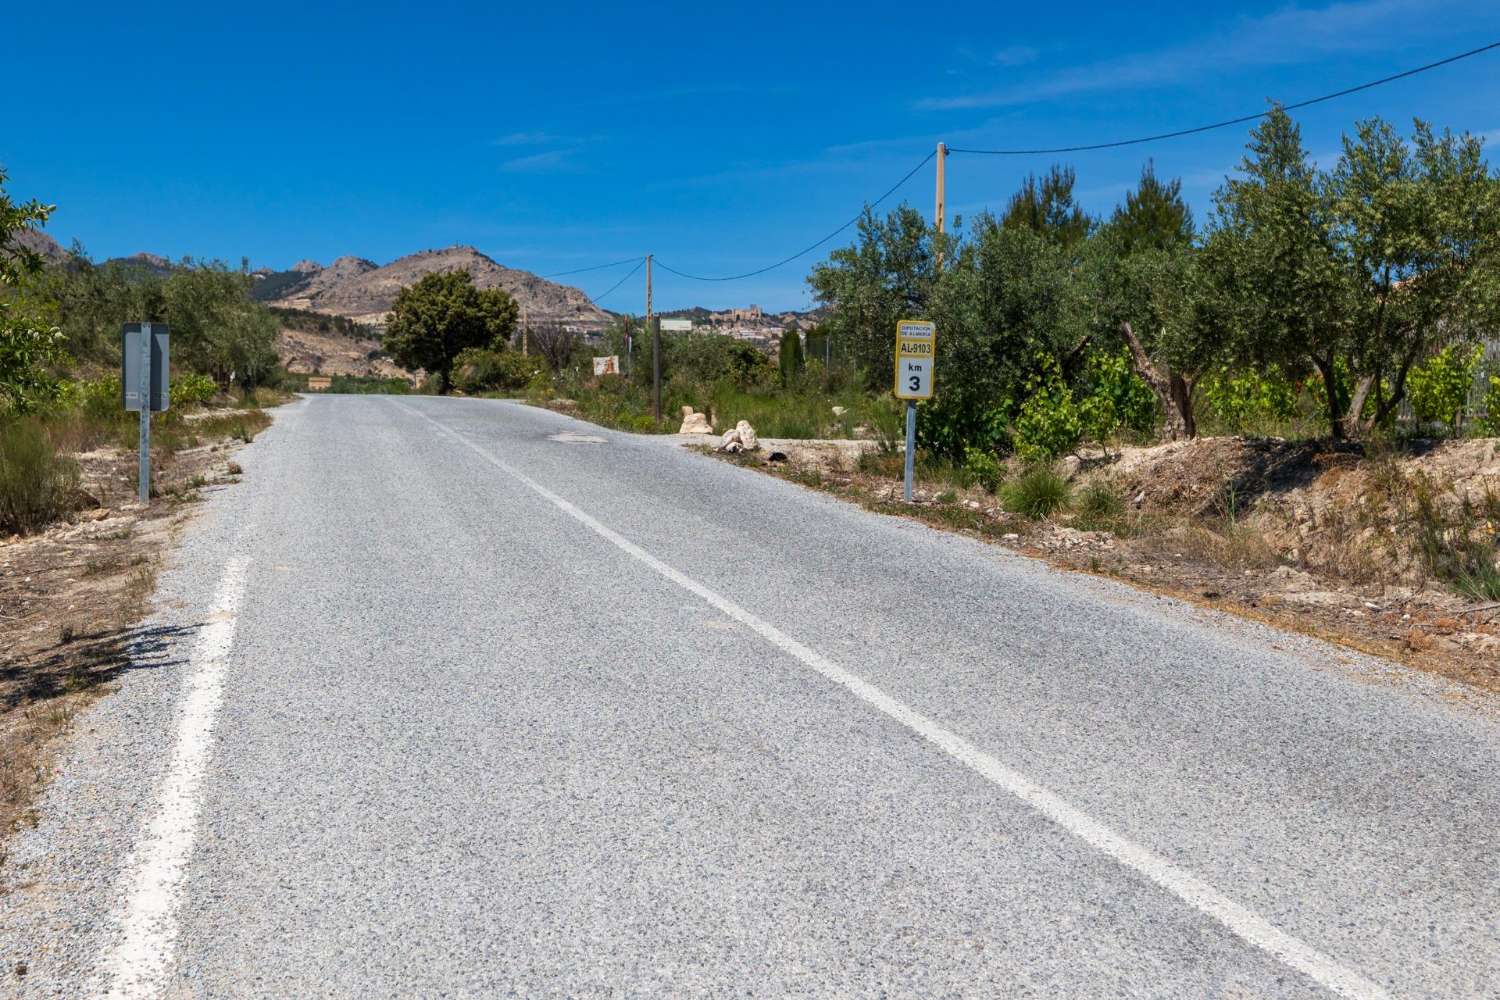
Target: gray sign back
<point>130,380</point>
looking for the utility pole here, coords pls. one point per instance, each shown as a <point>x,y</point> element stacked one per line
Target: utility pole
<point>525,328</point>
<point>940,215</point>
<point>655,347</point>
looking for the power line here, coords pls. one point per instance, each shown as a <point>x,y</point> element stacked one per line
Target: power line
<point>1233,121</point>
<point>596,267</point>
<point>807,250</point>
<point>639,262</point>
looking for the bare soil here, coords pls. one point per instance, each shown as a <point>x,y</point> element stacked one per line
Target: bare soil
<point>1304,536</point>
<point>72,599</point>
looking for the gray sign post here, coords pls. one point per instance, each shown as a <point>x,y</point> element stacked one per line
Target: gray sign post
<point>144,384</point>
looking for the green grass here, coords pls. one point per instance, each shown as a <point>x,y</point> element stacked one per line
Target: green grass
<point>1037,493</point>
<point>1099,507</point>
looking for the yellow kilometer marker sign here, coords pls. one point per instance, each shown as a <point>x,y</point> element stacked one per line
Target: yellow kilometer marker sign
<point>916,349</point>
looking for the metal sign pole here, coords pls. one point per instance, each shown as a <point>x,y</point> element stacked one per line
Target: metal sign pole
<point>911,444</point>
<point>145,396</point>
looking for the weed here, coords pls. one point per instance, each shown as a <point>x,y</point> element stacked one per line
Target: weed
<point>1453,544</point>
<point>1039,492</point>
<point>1100,508</point>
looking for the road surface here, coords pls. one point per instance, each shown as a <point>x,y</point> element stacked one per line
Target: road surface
<point>460,698</point>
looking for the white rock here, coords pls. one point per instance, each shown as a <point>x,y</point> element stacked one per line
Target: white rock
<point>731,437</point>
<point>747,435</point>
<point>839,411</point>
<point>695,423</point>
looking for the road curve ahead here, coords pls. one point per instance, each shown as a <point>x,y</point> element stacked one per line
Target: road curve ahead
<point>460,698</point>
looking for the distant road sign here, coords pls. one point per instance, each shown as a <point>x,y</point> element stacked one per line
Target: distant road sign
<point>607,365</point>
<point>677,325</point>
<point>132,358</point>
<point>916,350</point>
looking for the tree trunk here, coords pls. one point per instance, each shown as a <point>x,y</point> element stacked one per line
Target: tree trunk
<point>1335,404</point>
<point>1354,426</point>
<point>1173,392</point>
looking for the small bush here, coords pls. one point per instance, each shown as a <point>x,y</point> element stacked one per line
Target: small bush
<point>1048,424</point>
<point>983,468</point>
<point>1038,492</point>
<point>1099,508</point>
<point>1490,424</point>
<point>481,370</point>
<point>192,389</point>
<point>1439,386</point>
<point>37,485</point>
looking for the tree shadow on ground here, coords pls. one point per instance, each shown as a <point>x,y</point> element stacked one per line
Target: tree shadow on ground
<point>77,663</point>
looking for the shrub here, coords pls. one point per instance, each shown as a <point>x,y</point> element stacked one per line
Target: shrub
<point>1439,387</point>
<point>1247,402</point>
<point>36,484</point>
<point>1490,424</point>
<point>193,389</point>
<point>1037,493</point>
<point>485,370</point>
<point>1049,423</point>
<point>1115,399</point>
<point>1099,507</point>
<point>983,468</point>
<point>789,357</point>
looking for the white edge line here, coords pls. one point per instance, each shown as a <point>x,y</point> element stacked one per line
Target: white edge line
<point>1292,951</point>
<point>136,965</point>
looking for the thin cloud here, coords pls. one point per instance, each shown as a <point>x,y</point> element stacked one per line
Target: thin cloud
<point>1290,35</point>
<point>526,139</point>
<point>1014,55</point>
<point>551,161</point>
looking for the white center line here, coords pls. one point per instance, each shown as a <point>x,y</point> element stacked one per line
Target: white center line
<point>137,965</point>
<point>1247,924</point>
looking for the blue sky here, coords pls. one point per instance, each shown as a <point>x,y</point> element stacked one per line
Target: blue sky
<point>719,137</point>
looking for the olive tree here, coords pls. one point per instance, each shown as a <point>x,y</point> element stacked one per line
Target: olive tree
<point>443,314</point>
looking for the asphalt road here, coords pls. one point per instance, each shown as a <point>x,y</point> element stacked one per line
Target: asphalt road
<point>460,698</point>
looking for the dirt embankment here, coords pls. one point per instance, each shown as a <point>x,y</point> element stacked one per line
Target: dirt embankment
<point>1379,549</point>
<point>311,352</point>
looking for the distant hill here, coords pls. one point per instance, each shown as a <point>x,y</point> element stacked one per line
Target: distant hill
<point>360,290</point>
<point>39,242</point>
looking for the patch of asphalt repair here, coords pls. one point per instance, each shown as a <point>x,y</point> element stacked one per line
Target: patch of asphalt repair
<point>469,746</point>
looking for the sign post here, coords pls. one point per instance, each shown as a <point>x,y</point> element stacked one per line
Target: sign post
<point>916,349</point>
<point>143,384</point>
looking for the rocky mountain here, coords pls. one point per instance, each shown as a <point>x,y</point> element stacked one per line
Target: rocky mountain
<point>39,242</point>
<point>361,290</point>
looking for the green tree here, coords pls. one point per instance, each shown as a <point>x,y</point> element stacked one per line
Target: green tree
<point>1011,318</point>
<point>1417,230</point>
<point>1148,296</point>
<point>30,343</point>
<point>1360,272</point>
<point>1154,216</point>
<point>889,274</point>
<point>441,315</point>
<point>1045,206</point>
<point>1141,267</point>
<point>790,356</point>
